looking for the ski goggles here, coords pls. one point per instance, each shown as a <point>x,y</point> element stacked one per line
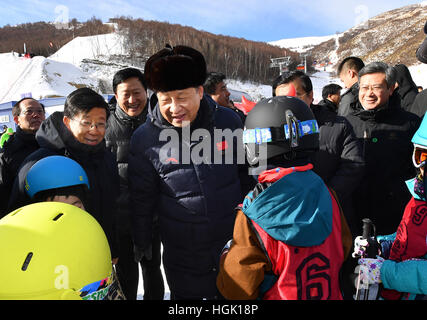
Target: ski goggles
<point>287,132</point>
<point>419,157</point>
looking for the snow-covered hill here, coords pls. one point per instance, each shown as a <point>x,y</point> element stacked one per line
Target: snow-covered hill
<point>39,76</point>
<point>302,44</point>
<point>392,37</point>
<point>84,61</point>
<point>91,47</point>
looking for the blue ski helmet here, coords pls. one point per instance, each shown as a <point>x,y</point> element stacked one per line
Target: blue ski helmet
<point>54,172</point>
<point>420,137</point>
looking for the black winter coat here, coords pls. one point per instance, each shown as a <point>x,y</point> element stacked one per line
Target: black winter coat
<point>407,88</point>
<point>385,134</point>
<point>349,98</point>
<point>339,161</point>
<point>119,131</point>
<point>100,165</point>
<point>14,151</point>
<point>195,201</point>
<point>419,105</point>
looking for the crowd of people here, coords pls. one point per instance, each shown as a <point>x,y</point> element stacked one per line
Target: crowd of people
<point>271,208</point>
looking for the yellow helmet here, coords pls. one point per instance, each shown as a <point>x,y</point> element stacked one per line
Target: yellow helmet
<point>53,250</point>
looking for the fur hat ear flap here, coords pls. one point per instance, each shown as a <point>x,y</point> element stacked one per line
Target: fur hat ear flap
<point>421,52</point>
<point>175,68</point>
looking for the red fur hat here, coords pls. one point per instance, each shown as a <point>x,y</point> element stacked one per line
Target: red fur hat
<point>175,68</point>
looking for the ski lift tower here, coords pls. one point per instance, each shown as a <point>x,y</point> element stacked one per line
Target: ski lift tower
<point>304,56</point>
<point>282,63</point>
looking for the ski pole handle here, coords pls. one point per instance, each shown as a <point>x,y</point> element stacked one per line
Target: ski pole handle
<point>369,234</point>
<point>367,229</point>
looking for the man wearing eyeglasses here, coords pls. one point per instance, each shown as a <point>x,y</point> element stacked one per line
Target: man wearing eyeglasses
<point>28,115</point>
<point>78,133</point>
<point>385,130</point>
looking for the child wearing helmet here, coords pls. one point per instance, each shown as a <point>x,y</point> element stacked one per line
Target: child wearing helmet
<point>53,251</point>
<point>61,179</point>
<point>290,235</point>
<point>57,178</point>
<point>403,274</point>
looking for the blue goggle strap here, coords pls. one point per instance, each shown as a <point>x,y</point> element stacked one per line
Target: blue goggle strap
<point>265,135</point>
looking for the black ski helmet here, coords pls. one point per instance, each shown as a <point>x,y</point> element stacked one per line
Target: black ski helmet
<point>280,125</point>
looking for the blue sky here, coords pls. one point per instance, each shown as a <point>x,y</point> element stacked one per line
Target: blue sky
<point>258,20</point>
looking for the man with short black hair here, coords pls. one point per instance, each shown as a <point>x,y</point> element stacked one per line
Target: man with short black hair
<point>216,87</point>
<point>331,95</point>
<point>28,114</point>
<point>129,112</point>
<point>348,71</point>
<point>385,130</point>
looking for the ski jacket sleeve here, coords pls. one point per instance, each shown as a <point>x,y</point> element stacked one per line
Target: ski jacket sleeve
<point>144,190</point>
<point>246,265</point>
<point>242,270</point>
<point>406,276</point>
<point>351,165</point>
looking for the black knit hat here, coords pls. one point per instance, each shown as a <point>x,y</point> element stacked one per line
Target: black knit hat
<point>422,50</point>
<point>175,68</point>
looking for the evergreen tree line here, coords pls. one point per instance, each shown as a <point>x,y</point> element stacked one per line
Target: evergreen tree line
<point>237,58</point>
<point>44,39</point>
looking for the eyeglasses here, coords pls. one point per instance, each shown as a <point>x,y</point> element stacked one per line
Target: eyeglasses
<point>89,125</point>
<point>30,112</point>
<point>419,157</point>
<point>375,88</point>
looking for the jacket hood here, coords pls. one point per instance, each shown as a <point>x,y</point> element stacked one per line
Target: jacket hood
<point>404,79</point>
<point>54,135</point>
<point>296,209</point>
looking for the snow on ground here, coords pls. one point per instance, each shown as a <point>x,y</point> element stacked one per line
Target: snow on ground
<point>419,74</point>
<point>301,44</point>
<point>90,47</point>
<point>40,76</point>
<point>256,91</point>
<point>140,294</point>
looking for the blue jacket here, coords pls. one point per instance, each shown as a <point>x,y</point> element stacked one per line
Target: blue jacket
<point>194,201</point>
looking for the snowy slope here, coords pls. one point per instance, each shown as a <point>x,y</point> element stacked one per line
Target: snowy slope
<point>66,70</point>
<point>91,47</point>
<point>419,74</point>
<point>40,76</point>
<point>300,44</point>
